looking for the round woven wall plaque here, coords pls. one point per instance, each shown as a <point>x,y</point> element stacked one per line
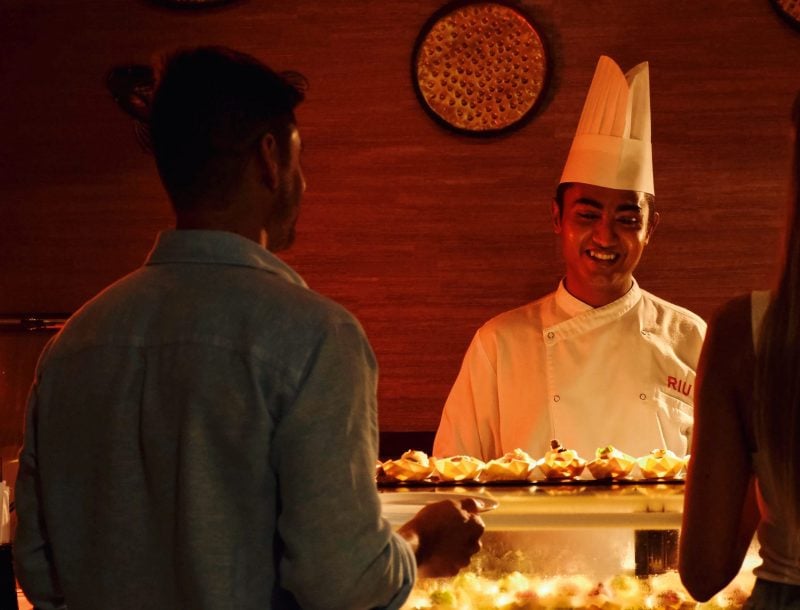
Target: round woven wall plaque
<point>789,10</point>
<point>480,68</point>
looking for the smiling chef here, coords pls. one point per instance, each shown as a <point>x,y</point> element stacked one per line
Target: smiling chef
<point>599,361</point>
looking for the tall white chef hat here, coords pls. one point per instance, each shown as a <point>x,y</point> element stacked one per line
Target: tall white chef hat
<point>612,145</point>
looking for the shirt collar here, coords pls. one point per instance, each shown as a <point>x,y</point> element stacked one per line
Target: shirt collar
<point>217,247</point>
<point>573,306</point>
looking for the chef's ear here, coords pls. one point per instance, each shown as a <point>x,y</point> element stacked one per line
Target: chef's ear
<point>555,211</point>
<point>651,226</point>
<point>268,155</point>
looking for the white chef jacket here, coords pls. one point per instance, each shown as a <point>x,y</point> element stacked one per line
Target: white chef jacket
<point>557,368</point>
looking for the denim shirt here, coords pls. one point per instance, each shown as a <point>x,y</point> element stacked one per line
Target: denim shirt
<point>203,434</point>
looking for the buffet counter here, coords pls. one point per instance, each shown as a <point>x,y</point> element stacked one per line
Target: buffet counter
<point>581,544</point>
<point>579,504</point>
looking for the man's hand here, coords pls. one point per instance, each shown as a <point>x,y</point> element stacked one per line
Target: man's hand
<point>444,536</point>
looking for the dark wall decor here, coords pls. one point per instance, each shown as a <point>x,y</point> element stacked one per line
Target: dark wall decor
<point>789,10</point>
<point>480,67</point>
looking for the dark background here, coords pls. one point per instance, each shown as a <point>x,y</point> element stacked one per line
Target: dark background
<point>422,233</point>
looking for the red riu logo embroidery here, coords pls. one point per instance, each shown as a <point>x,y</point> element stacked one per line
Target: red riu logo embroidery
<point>679,385</point>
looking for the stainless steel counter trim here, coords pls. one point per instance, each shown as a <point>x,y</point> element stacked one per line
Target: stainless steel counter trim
<point>32,322</point>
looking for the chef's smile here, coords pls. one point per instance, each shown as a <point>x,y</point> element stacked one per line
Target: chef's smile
<point>603,256</point>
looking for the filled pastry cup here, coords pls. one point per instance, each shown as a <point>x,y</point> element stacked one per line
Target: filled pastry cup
<point>660,464</point>
<point>560,463</point>
<point>413,465</point>
<point>457,468</point>
<point>611,463</point>
<point>515,465</point>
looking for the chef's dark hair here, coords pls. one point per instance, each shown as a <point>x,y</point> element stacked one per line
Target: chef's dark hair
<point>559,199</point>
<point>210,109</point>
<point>777,409</point>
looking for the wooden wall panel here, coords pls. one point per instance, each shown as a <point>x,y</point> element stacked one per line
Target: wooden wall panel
<point>422,233</point>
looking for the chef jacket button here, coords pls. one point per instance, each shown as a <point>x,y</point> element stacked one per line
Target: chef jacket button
<point>556,398</point>
<point>642,396</point>
<point>551,334</point>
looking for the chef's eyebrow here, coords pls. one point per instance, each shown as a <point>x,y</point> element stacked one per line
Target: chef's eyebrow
<point>629,207</point>
<point>590,202</point>
<point>622,207</point>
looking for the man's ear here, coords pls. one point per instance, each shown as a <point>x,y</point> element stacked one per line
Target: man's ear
<point>555,211</point>
<point>651,227</point>
<point>268,160</point>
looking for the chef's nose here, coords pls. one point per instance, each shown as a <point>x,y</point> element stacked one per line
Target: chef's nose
<point>605,232</point>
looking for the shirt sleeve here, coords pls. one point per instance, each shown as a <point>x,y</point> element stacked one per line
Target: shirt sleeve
<point>338,552</point>
<point>32,556</point>
<point>469,424</point>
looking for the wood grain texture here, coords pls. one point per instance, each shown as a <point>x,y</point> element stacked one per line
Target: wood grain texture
<point>422,233</point>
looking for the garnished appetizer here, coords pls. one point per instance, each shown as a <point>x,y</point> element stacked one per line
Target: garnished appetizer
<point>515,465</point>
<point>457,468</point>
<point>560,463</point>
<point>413,465</point>
<point>611,463</point>
<point>660,464</point>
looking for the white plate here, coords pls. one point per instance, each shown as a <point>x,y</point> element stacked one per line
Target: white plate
<point>399,507</point>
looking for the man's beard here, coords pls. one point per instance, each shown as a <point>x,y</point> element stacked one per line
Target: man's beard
<point>284,221</point>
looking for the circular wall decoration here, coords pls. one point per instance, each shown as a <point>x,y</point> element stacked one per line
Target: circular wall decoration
<point>789,10</point>
<point>480,68</point>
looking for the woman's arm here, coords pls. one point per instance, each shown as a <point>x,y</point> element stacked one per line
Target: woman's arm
<point>720,512</point>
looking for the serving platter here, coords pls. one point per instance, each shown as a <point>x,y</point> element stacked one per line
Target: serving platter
<point>401,507</point>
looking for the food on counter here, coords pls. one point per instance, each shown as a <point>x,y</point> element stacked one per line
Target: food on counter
<point>558,464</point>
<point>561,463</point>
<point>565,591</point>
<point>626,589</point>
<point>669,600</point>
<point>457,468</point>
<point>515,465</point>
<point>518,591</point>
<point>599,598</point>
<point>414,455</point>
<point>660,464</point>
<point>611,463</point>
<point>667,592</point>
<point>413,465</point>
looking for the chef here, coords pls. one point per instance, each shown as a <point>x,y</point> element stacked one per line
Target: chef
<point>600,360</point>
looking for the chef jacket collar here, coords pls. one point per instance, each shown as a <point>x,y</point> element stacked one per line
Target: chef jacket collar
<point>582,317</point>
<point>195,246</point>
